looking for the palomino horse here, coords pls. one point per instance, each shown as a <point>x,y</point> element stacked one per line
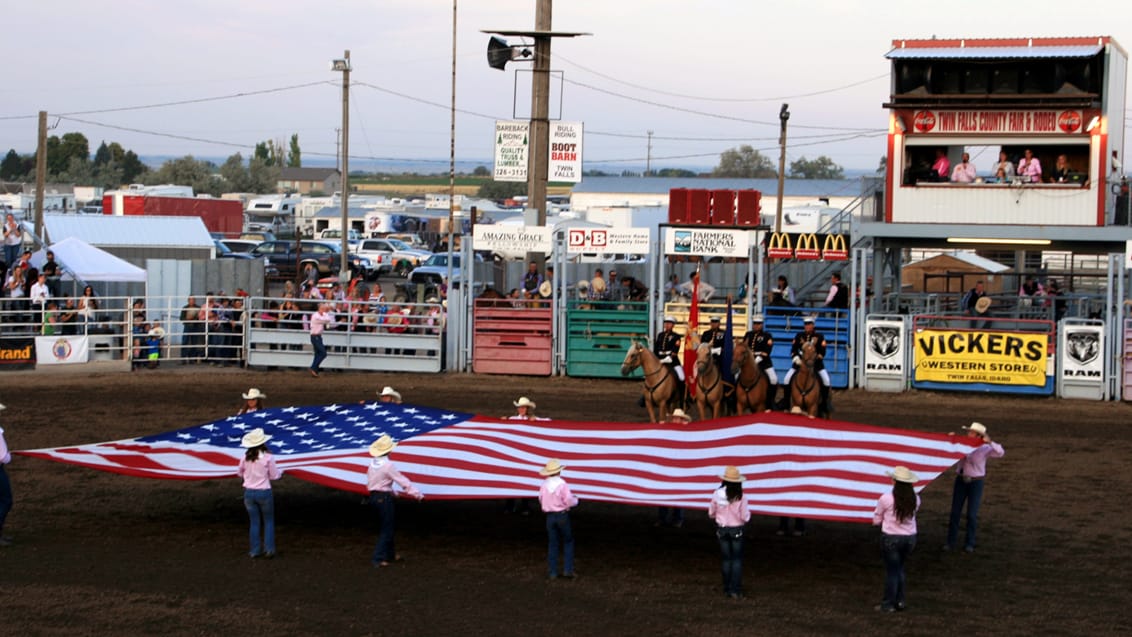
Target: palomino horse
<point>805,390</point>
<point>751,384</point>
<point>709,382</point>
<point>660,382</point>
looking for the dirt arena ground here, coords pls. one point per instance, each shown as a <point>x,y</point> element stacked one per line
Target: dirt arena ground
<point>104,554</point>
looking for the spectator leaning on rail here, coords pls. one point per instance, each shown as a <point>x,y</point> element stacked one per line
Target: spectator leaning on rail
<point>970,475</point>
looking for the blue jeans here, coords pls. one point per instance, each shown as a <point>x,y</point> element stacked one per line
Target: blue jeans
<point>319,352</point>
<point>260,504</point>
<point>12,254</point>
<point>5,496</point>
<point>559,534</point>
<point>731,548</point>
<point>386,506</point>
<point>895,549</point>
<point>971,493</point>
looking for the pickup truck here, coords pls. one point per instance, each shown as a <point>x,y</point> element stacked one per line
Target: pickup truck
<point>392,254</point>
<point>326,257</point>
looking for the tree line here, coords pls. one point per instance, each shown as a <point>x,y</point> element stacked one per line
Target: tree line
<point>113,166</point>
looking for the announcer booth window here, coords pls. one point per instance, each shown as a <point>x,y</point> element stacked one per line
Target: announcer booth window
<point>986,158</point>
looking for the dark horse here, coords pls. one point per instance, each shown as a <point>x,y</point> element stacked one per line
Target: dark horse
<point>751,384</point>
<point>805,390</point>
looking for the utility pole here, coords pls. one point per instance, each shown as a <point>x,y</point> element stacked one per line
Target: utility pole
<point>40,173</point>
<point>783,117</point>
<point>452,158</point>
<point>648,157</point>
<point>344,66</point>
<point>539,162</point>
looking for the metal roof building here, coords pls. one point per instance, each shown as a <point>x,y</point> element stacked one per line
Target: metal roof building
<point>135,238</point>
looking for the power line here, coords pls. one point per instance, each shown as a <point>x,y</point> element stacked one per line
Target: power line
<point>693,111</point>
<point>199,100</point>
<point>558,56</point>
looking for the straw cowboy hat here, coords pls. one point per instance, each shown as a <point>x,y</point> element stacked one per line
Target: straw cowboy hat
<point>545,289</point>
<point>369,318</point>
<point>157,332</point>
<point>524,402</point>
<point>983,304</point>
<point>552,468</point>
<point>902,474</point>
<point>598,284</point>
<point>583,285</point>
<point>389,391</point>
<point>432,299</point>
<point>678,414</point>
<point>254,438</point>
<point>978,428</point>
<point>253,394</point>
<point>2,407</point>
<point>382,446</point>
<point>731,474</point>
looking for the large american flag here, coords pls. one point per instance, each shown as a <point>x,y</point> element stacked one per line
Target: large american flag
<point>794,466</point>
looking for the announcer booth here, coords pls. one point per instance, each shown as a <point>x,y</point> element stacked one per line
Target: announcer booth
<point>1040,121</point>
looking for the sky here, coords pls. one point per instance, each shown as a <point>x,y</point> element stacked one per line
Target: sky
<point>703,76</point>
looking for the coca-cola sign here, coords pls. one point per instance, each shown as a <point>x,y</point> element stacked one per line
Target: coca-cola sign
<point>1069,121</point>
<point>924,121</point>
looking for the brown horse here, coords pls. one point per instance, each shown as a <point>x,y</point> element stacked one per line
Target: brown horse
<point>710,387</point>
<point>805,390</point>
<point>661,382</point>
<point>751,384</point>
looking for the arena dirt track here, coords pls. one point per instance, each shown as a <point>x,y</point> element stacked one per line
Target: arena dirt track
<point>104,554</point>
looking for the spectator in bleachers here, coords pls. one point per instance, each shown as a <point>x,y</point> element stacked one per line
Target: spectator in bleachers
<point>706,290</point>
<point>633,290</point>
<point>52,270</point>
<point>838,296</point>
<point>68,318</point>
<point>191,331</point>
<point>531,280</point>
<point>13,238</point>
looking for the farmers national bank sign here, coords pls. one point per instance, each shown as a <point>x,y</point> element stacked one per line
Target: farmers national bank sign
<point>707,242</point>
<point>512,239</point>
<point>998,358</point>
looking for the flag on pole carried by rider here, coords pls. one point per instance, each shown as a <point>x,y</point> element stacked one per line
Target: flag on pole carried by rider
<point>727,356</point>
<point>691,336</point>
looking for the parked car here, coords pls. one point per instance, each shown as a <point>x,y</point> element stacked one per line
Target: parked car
<point>380,253</point>
<point>414,240</point>
<point>258,236</point>
<point>326,257</point>
<point>435,268</point>
<point>240,245</point>
<point>224,252</point>
<point>402,257</point>
<point>334,234</point>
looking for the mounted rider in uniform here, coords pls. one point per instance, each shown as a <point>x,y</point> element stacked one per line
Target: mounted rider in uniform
<point>761,344</point>
<point>809,334</point>
<point>666,346</point>
<point>714,337</point>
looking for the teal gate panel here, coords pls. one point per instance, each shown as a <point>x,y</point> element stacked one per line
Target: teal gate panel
<point>598,335</point>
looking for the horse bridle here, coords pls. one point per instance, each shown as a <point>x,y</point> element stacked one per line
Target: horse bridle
<point>758,376</point>
<point>663,368</point>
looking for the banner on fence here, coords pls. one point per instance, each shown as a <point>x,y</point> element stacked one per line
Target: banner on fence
<point>969,356</point>
<point>61,350</point>
<point>608,240</point>
<point>1080,352</point>
<point>17,353</point>
<point>512,239</point>
<point>884,351</point>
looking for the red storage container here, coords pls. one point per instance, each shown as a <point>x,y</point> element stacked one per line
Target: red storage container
<point>678,206</point>
<point>748,212</point>
<point>699,207</point>
<point>723,207</point>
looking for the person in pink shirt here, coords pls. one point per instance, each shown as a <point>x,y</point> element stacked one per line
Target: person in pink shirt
<point>1029,168</point>
<point>258,469</point>
<point>964,171</point>
<point>320,321</point>
<point>381,475</point>
<point>556,500</point>
<point>730,510</point>
<point>896,516</point>
<point>970,475</point>
<point>941,169</point>
<point>5,486</point>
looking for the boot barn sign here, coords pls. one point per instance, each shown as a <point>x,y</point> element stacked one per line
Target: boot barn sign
<point>512,151</point>
<point>977,360</point>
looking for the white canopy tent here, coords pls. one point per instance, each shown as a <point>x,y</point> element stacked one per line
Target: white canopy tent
<point>84,262</point>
